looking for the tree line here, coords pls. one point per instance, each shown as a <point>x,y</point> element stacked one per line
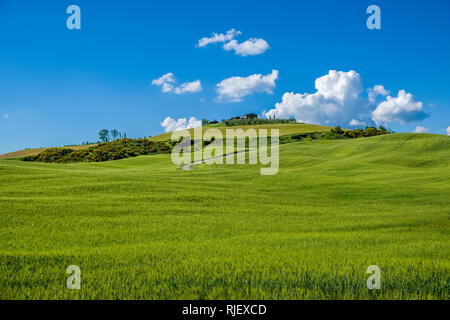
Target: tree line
<point>106,135</point>
<point>247,119</point>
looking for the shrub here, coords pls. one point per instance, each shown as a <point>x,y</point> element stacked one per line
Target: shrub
<point>255,121</point>
<point>118,149</point>
<point>53,155</point>
<point>368,132</point>
<point>338,133</point>
<point>337,130</point>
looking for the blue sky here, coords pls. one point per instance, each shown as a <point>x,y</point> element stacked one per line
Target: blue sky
<point>60,86</point>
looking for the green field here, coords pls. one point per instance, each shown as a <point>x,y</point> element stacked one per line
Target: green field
<point>284,129</point>
<point>141,229</point>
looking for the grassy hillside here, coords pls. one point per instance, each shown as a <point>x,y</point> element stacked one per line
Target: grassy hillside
<point>139,228</point>
<point>285,129</point>
<point>35,151</point>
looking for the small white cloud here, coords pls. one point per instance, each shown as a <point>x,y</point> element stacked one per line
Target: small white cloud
<point>420,129</point>
<point>403,108</point>
<point>165,78</point>
<point>203,42</point>
<point>170,124</point>
<point>357,123</point>
<point>375,91</point>
<point>167,81</point>
<point>166,87</point>
<point>6,116</point>
<point>194,86</point>
<point>448,131</point>
<point>251,47</point>
<point>235,88</point>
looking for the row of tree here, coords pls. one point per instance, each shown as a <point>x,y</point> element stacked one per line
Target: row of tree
<point>356,133</point>
<point>247,119</point>
<point>106,135</point>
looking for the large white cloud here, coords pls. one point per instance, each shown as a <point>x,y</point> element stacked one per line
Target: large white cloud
<point>166,82</point>
<point>250,47</point>
<point>218,38</point>
<point>336,101</point>
<point>403,108</point>
<point>235,88</point>
<point>448,130</point>
<point>420,129</point>
<point>170,124</point>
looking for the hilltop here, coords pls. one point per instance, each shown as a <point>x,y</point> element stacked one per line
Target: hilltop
<point>285,129</point>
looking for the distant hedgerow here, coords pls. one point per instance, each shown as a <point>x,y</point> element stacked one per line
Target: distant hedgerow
<point>368,132</point>
<point>118,149</point>
<point>336,133</point>
<point>247,122</point>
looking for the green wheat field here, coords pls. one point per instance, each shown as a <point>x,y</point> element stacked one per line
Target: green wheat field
<point>140,228</point>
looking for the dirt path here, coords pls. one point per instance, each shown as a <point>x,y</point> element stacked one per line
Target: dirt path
<point>189,166</point>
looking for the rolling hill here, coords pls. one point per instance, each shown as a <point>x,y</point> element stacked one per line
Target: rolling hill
<point>285,129</point>
<point>35,151</point>
<point>138,228</point>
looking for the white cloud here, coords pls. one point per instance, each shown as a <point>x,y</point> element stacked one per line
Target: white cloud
<point>448,131</point>
<point>357,123</point>
<point>336,101</point>
<point>420,129</point>
<point>375,91</point>
<point>194,86</point>
<point>166,87</point>
<point>251,47</point>
<point>218,38</point>
<point>235,88</point>
<point>170,124</point>
<point>403,108</point>
<point>167,80</point>
<point>6,116</point>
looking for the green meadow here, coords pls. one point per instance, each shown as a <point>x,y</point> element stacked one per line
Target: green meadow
<point>140,228</point>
